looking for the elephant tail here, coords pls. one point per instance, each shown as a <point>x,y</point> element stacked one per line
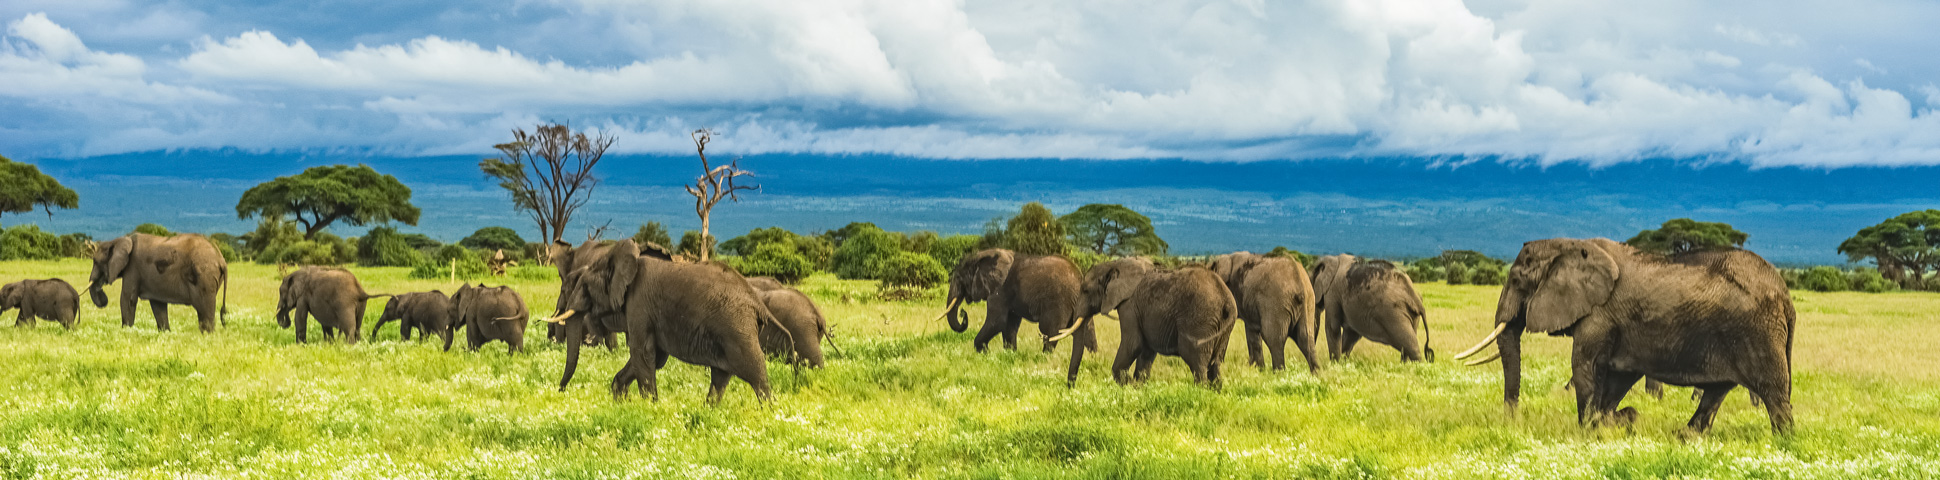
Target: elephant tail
<point>222,313</point>
<point>763,317</point>
<point>822,322</point>
<point>1427,336</point>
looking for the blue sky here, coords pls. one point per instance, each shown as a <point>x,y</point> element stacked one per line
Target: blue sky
<point>1378,126</point>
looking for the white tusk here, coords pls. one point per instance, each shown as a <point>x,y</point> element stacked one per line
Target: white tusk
<point>946,310</point>
<point>1485,342</point>
<point>1067,332</point>
<point>1491,358</point>
<point>561,318</point>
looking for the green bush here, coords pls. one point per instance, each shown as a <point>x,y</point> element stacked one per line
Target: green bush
<point>1824,279</point>
<point>1456,273</point>
<point>495,238</point>
<point>746,245</point>
<point>1421,272</point>
<point>75,245</point>
<point>863,254</point>
<point>949,250</point>
<point>1084,259</point>
<point>469,264</point>
<point>229,254</point>
<point>28,242</point>
<point>1487,275</point>
<point>1793,278</point>
<point>778,260</point>
<point>655,233</point>
<point>154,229</point>
<point>1870,281</point>
<point>271,235</point>
<point>384,247</point>
<point>691,244</point>
<point>911,271</point>
<point>1034,231</point>
<point>307,253</point>
<point>1305,259</point>
<point>919,242</point>
<point>817,250</point>
<point>448,253</point>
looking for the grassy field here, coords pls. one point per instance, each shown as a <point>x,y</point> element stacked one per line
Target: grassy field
<point>909,399</point>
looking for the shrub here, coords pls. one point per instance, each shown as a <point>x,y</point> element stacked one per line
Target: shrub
<point>423,242</point>
<point>495,238</point>
<point>1870,281</point>
<point>229,254</point>
<point>270,236</point>
<point>905,273</point>
<point>384,247</point>
<point>653,232</point>
<point>1034,231</point>
<point>470,265</point>
<point>1305,259</point>
<point>448,253</point>
<point>691,244</point>
<point>777,260</point>
<point>28,242</point>
<point>1487,275</point>
<point>1793,278</point>
<point>919,242</point>
<point>949,250</point>
<point>1085,259</point>
<point>154,229</point>
<point>817,250</point>
<point>863,254</point>
<point>1824,279</point>
<point>747,244</point>
<point>76,245</point>
<point>1422,272</point>
<point>1456,273</point>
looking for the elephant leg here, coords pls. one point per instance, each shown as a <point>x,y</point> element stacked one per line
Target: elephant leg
<point>1334,327</point>
<point>1654,388</point>
<point>1348,339</point>
<point>623,379</point>
<point>993,325</point>
<point>1611,388</point>
<point>1128,351</point>
<point>1303,338</point>
<point>1707,410</point>
<point>1255,354</point>
<point>206,313</point>
<point>129,302</point>
<point>357,322</point>
<point>474,337</point>
<point>718,385</point>
<point>1274,332</point>
<point>1145,360</point>
<point>1050,329</point>
<point>1010,332</point>
<point>1198,358</point>
<point>161,314</point>
<point>23,320</point>
<point>301,315</point>
<point>1586,355</point>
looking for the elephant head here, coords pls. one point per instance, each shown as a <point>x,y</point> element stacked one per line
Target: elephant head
<point>1554,284</point>
<point>1108,285</point>
<point>1233,268</point>
<point>1330,274</point>
<point>110,264</point>
<point>590,292</point>
<point>286,298</point>
<point>977,277</point>
<point>10,295</point>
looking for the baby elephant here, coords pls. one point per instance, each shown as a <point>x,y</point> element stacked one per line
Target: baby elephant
<point>332,294</point>
<point>487,314</point>
<point>427,312</point>
<point>50,299</point>
<point>1187,313</point>
<point>796,313</point>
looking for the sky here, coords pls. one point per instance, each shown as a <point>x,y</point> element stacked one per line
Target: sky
<point>1395,127</point>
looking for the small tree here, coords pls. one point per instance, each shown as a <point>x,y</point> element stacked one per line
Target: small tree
<point>837,236</point>
<point>23,188</point>
<point>949,250</point>
<point>1686,235</point>
<point>1034,231</point>
<point>323,195</point>
<point>905,274</point>
<point>384,247</point>
<point>861,256</point>
<point>1904,247</point>
<point>494,238</point>
<point>746,244</point>
<point>1824,279</point>
<point>549,173</point>
<point>695,244</point>
<point>778,260</point>
<point>655,233</point>
<point>1112,230</point>
<point>715,184</point>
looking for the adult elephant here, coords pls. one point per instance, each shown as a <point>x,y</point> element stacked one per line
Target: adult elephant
<point>184,269</point>
<point>487,314</point>
<point>805,327</point>
<point>332,294</point>
<point>1714,320</point>
<point>429,313</point>
<point>51,299</point>
<point>568,259</point>
<point>697,313</point>
<point>1016,288</point>
<point>1374,300</point>
<point>1188,313</point>
<point>1276,301</point>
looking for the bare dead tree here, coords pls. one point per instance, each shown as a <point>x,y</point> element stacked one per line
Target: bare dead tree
<point>715,183</point>
<point>549,173</point>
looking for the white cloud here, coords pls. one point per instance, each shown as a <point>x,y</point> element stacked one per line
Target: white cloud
<point>43,61</point>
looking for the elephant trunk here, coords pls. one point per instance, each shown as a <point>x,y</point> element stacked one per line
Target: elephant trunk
<point>95,294</point>
<point>953,314</point>
<point>1509,346</point>
<point>574,331</point>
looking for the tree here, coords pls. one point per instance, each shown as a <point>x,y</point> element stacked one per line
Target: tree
<point>1686,235</point>
<point>23,188</point>
<point>549,173</point>
<point>862,255</point>
<point>746,244</point>
<point>1034,231</point>
<point>1904,247</point>
<point>695,244</point>
<point>715,184</point>
<point>1112,230</point>
<point>495,238</point>
<point>384,247</point>
<point>837,236</point>
<point>653,232</point>
<point>904,274</point>
<point>326,194</point>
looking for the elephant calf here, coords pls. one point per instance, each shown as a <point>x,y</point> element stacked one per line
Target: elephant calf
<point>51,299</point>
<point>1187,313</point>
<point>1276,301</point>
<point>796,313</point>
<point>427,312</point>
<point>490,313</point>
<point>1374,300</point>
<point>332,294</point>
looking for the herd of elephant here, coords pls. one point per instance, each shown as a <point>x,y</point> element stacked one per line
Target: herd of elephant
<point>1714,320</point>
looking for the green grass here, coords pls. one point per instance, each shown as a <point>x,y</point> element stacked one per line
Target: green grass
<point>909,399</point>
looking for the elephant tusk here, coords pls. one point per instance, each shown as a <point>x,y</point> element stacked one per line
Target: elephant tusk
<point>1067,332</point>
<point>1491,358</point>
<point>1485,342</point>
<point>561,318</point>
<point>946,310</point>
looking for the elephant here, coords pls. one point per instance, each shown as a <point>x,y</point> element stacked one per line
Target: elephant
<point>568,259</point>
<point>427,312</point>
<point>332,294</point>
<point>487,314</point>
<point>1188,313</point>
<point>795,312</point>
<point>51,299</point>
<point>1276,300</point>
<point>697,313</point>
<point>184,269</point>
<point>1015,287</point>
<point>1373,300</point>
<point>1714,320</point>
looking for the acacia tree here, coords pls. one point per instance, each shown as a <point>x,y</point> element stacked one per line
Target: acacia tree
<point>1112,230</point>
<point>1905,247</point>
<point>549,173</point>
<point>715,183</point>
<point>23,187</point>
<point>1687,235</point>
<point>326,194</point>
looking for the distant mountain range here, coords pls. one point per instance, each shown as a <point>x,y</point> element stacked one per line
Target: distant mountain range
<point>1387,207</point>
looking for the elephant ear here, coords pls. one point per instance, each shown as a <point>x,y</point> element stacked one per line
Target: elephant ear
<point>1119,285</point>
<point>120,252</point>
<point>655,250</point>
<point>1330,273</point>
<point>390,309</point>
<point>988,273</point>
<point>1581,278</point>
<point>621,267</point>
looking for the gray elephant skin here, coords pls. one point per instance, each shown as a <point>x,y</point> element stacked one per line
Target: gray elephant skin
<point>52,299</point>
<point>796,313</point>
<point>428,313</point>
<point>698,313</point>
<point>1016,288</point>
<point>1187,313</point>
<point>331,294</point>
<point>1276,302</point>
<point>569,259</point>
<point>184,269</point>
<point>489,314</point>
<point>1714,320</point>
<point>1371,300</point>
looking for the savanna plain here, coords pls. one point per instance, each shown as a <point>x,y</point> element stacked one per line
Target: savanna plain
<point>906,397</point>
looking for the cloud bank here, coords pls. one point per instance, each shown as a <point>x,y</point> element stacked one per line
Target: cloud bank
<point>1599,82</point>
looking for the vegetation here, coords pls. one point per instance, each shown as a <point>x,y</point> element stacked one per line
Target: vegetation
<point>28,242</point>
<point>907,398</point>
<point>1686,235</point>
<point>154,229</point>
<point>864,251</point>
<point>1460,267</point>
<point>654,233</point>
<point>323,195</point>
<point>906,273</point>
<point>384,247</point>
<point>1905,247</point>
<point>1111,229</point>
<point>716,183</point>
<point>694,244</point>
<point>495,238</point>
<point>779,260</point>
<point>23,188</point>
<point>1305,259</point>
<point>948,250</point>
<point>549,173</point>
<point>1034,231</point>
